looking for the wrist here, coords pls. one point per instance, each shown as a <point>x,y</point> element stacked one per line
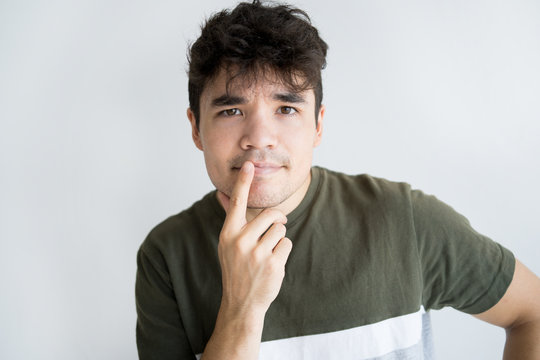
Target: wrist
<point>237,334</point>
<point>242,318</point>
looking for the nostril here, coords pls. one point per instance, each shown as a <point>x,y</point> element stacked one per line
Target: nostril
<point>258,139</point>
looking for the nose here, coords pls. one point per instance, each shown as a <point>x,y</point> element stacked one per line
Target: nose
<point>259,133</point>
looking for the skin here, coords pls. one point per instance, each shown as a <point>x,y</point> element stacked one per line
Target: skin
<point>265,124</point>
<point>518,312</point>
<point>253,267</point>
<point>258,143</point>
<point>258,146</point>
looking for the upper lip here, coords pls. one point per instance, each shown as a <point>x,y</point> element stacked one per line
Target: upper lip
<point>260,164</point>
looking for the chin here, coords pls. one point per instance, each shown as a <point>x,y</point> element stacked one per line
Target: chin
<point>263,201</point>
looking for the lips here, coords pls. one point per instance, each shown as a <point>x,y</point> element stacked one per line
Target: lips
<point>264,168</point>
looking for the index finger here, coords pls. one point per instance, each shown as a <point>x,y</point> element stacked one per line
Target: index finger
<point>236,212</point>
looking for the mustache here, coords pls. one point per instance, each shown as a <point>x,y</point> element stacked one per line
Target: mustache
<point>260,156</point>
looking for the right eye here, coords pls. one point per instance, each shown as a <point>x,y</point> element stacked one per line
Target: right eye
<point>231,112</point>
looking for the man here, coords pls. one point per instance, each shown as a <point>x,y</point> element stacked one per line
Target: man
<point>286,261</point>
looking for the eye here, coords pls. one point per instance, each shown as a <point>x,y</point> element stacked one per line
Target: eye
<point>231,112</point>
<point>287,110</point>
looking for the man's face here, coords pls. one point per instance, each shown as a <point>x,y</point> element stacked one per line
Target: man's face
<point>265,123</point>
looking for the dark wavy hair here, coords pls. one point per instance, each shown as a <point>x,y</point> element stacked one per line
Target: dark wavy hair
<point>252,40</point>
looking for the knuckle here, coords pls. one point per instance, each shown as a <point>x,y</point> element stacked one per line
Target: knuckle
<point>239,247</point>
<point>224,235</point>
<point>257,256</point>
<point>224,245</point>
<point>282,230</point>
<point>278,230</point>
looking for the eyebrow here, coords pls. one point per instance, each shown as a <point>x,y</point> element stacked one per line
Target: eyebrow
<point>289,97</point>
<point>228,100</point>
<point>231,100</point>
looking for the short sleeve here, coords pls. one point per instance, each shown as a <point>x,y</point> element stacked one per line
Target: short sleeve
<point>160,332</point>
<point>460,267</point>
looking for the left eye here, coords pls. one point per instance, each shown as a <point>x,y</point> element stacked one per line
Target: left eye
<point>287,110</point>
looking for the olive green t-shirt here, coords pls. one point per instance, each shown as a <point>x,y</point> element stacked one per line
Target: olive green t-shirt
<point>370,258</point>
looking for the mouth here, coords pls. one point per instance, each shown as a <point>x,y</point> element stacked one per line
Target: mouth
<point>263,168</point>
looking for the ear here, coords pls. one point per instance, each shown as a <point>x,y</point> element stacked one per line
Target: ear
<point>319,128</point>
<point>195,133</point>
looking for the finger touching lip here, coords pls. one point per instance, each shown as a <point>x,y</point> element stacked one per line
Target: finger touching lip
<point>260,165</point>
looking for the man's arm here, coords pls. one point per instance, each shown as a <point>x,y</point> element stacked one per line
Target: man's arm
<point>519,313</point>
<point>252,256</point>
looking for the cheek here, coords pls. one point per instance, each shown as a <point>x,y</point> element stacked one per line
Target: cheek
<point>218,149</point>
<point>300,138</point>
<point>300,149</point>
<point>216,141</point>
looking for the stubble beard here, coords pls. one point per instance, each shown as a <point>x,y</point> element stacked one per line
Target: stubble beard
<point>269,198</point>
<point>263,192</point>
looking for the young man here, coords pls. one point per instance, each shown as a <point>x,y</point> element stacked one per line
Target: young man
<point>286,261</point>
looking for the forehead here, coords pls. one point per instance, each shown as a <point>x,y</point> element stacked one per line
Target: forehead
<point>260,84</point>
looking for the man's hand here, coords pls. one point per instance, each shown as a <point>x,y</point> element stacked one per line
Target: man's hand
<point>252,257</point>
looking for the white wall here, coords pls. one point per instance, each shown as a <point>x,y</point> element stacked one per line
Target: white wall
<point>95,148</point>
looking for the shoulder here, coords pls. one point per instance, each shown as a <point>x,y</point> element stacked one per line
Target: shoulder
<point>365,187</point>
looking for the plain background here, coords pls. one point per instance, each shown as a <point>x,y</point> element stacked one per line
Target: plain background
<point>95,148</point>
